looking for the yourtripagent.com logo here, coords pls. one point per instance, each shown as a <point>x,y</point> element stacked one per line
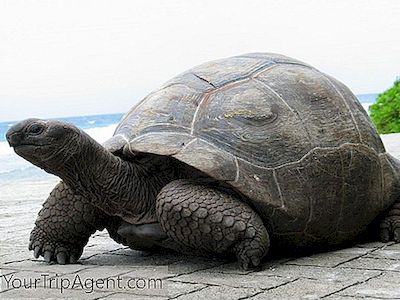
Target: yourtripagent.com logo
<point>76,281</point>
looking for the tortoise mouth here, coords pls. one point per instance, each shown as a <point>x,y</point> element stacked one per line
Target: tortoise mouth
<point>19,140</point>
<point>24,146</point>
<point>28,144</point>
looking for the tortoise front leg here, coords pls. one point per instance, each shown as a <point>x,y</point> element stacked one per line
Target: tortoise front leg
<point>205,219</point>
<point>64,225</point>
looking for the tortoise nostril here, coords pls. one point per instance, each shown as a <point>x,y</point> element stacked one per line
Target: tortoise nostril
<point>13,138</point>
<point>22,130</point>
<point>8,137</point>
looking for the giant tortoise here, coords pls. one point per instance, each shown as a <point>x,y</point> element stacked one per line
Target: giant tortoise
<point>237,155</point>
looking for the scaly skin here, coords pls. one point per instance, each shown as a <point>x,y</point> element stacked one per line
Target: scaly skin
<point>201,217</point>
<point>64,225</point>
<point>390,225</point>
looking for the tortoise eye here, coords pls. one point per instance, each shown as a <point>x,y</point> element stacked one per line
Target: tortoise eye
<point>35,129</point>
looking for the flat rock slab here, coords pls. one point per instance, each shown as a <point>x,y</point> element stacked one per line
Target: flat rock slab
<point>109,271</point>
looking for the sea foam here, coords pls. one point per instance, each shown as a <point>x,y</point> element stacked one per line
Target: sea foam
<point>101,134</point>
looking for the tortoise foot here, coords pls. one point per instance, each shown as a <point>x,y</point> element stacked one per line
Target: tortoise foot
<point>250,251</point>
<point>64,225</point>
<point>390,225</point>
<point>52,250</point>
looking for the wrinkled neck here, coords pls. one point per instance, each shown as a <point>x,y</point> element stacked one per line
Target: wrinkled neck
<point>114,185</point>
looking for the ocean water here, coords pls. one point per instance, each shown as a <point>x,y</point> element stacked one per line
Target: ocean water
<point>367,100</point>
<point>100,127</point>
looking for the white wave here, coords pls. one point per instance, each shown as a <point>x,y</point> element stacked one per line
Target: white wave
<point>5,149</point>
<point>101,134</point>
<point>11,162</point>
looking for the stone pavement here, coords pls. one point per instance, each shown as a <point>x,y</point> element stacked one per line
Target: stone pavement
<point>109,271</point>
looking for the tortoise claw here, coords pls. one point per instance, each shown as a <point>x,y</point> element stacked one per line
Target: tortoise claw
<point>244,265</point>
<point>390,229</point>
<point>57,251</point>
<point>61,258</point>
<point>384,235</point>
<point>36,252</point>
<point>396,234</point>
<point>47,256</point>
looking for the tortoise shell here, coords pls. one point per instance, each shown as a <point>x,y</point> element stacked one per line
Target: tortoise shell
<point>292,139</point>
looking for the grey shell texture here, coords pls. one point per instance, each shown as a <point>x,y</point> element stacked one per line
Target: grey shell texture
<point>294,140</point>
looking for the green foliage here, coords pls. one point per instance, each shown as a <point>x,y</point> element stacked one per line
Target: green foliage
<point>385,113</point>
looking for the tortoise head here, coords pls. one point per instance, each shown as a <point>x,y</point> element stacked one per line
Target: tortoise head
<point>45,143</point>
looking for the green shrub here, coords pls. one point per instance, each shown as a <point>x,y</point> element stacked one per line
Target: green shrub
<point>385,113</point>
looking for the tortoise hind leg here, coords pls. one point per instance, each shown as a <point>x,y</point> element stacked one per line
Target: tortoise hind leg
<point>390,225</point>
<point>205,219</point>
<point>64,225</point>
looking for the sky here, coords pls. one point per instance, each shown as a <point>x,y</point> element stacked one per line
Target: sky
<point>68,58</point>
